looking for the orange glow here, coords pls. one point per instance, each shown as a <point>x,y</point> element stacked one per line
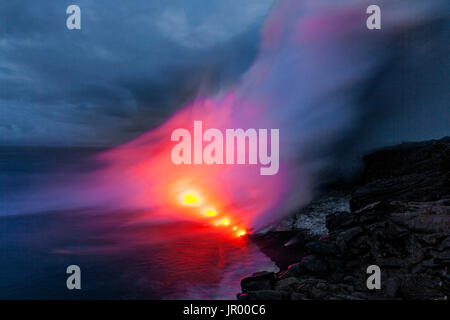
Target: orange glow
<point>209,194</point>
<point>210,212</point>
<point>190,198</point>
<point>241,233</point>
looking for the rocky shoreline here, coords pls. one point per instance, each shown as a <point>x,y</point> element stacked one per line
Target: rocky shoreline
<point>398,219</point>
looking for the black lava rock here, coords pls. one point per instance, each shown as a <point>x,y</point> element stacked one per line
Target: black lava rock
<point>399,220</point>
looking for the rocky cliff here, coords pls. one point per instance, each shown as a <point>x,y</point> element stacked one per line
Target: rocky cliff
<point>399,220</point>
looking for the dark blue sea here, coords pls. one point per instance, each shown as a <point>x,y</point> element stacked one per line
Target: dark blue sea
<point>118,259</point>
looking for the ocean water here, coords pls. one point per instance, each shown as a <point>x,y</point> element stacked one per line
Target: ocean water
<point>119,258</point>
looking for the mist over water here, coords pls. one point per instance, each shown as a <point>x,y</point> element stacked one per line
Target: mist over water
<point>315,77</point>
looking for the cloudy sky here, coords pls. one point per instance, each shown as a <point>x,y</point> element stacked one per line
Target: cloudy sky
<point>129,66</point>
<point>133,63</point>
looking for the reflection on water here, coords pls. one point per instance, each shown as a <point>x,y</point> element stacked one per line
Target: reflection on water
<point>121,255</point>
<point>119,259</point>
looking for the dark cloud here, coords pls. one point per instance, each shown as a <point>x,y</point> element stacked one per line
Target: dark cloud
<point>133,64</point>
<point>127,68</point>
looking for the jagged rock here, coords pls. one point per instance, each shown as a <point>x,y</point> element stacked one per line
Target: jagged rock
<point>288,284</point>
<point>344,237</point>
<point>340,220</point>
<point>316,293</point>
<point>348,279</point>
<point>293,270</point>
<point>322,247</point>
<point>306,285</point>
<point>428,217</point>
<point>445,245</point>
<point>313,264</point>
<point>258,281</point>
<point>422,267</point>
<point>298,296</point>
<point>409,172</point>
<point>392,286</point>
<point>392,262</point>
<point>420,286</point>
<point>274,244</point>
<point>443,257</point>
<point>399,220</point>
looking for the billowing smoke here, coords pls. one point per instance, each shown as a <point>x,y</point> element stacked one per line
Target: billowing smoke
<point>316,68</point>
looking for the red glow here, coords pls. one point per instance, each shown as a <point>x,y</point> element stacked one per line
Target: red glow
<point>229,197</point>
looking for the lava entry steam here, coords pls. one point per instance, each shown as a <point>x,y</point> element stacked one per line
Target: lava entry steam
<point>227,197</point>
<point>307,80</point>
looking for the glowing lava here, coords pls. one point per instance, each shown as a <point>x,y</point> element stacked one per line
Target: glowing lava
<point>210,212</point>
<point>191,199</point>
<point>241,233</point>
